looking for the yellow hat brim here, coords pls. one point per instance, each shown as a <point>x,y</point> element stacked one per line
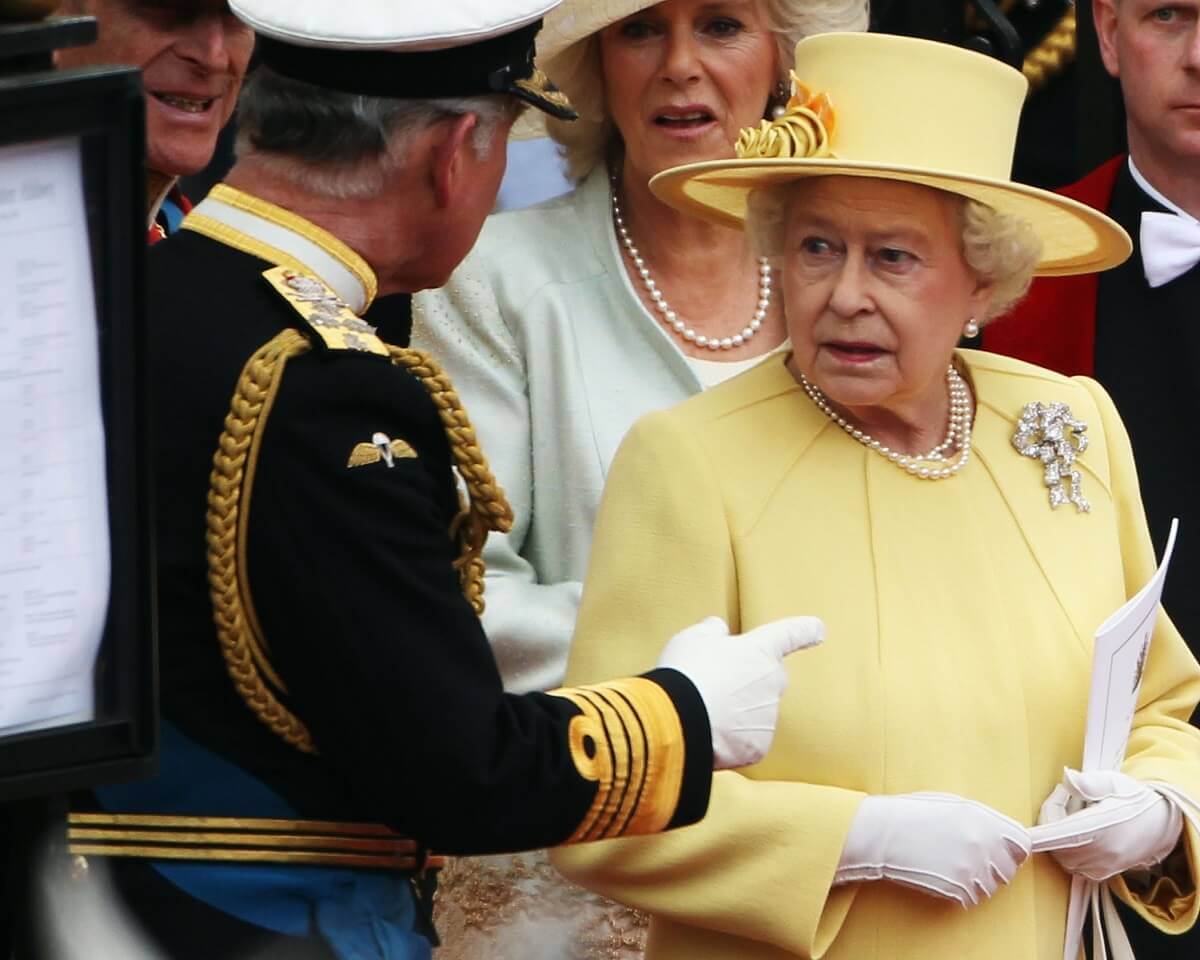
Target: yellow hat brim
<point>1075,237</point>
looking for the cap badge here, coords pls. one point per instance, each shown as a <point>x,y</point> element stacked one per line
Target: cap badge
<point>539,86</point>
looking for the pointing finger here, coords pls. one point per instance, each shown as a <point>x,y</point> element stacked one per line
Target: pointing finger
<point>788,635</point>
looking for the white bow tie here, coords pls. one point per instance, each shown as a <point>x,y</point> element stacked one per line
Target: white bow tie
<point>1170,246</point>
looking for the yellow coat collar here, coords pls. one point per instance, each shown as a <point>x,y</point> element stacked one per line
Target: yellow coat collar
<point>1065,544</point>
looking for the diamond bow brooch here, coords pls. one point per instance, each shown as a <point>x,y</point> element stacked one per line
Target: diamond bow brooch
<point>1050,433</point>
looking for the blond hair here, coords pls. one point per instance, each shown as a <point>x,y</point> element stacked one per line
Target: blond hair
<point>999,249</point>
<point>1002,250</point>
<point>577,71</point>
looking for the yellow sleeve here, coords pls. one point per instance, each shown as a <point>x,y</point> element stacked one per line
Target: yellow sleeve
<point>761,863</point>
<point>1163,745</point>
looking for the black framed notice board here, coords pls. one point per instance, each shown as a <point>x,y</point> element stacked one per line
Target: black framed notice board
<point>77,655</point>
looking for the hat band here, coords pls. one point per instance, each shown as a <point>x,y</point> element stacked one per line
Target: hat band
<point>490,66</point>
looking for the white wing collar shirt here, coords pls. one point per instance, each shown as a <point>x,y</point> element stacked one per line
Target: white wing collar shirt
<point>1170,242</point>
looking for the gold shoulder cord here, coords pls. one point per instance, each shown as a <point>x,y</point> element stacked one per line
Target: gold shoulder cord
<point>232,480</point>
<point>1053,54</point>
<point>486,507</point>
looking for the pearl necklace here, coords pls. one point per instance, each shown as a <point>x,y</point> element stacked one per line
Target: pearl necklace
<point>958,431</point>
<point>669,317</point>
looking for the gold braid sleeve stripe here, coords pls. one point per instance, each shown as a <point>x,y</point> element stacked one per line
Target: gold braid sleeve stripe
<point>603,751</point>
<point>628,740</point>
<point>231,486</point>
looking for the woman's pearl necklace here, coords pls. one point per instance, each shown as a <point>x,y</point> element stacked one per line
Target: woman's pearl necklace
<point>958,431</point>
<point>669,317</point>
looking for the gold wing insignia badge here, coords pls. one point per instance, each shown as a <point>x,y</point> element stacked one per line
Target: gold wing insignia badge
<point>382,447</point>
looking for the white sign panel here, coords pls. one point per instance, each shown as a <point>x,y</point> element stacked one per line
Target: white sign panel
<point>54,548</point>
<point>1122,645</point>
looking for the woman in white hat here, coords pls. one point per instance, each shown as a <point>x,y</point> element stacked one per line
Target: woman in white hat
<point>962,522</point>
<point>571,319</point>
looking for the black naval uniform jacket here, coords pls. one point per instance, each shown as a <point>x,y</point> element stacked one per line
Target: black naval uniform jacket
<point>350,571</point>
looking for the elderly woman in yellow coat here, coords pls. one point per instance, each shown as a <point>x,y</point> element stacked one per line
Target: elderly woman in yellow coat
<point>871,477</point>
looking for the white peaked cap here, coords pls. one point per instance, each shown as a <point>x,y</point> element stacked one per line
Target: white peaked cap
<point>407,48</point>
<point>399,25</point>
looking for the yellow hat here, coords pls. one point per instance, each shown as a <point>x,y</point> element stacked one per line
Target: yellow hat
<point>897,108</point>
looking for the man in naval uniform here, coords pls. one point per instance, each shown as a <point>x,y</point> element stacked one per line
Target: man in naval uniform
<point>330,707</point>
<point>1135,328</point>
<point>193,56</point>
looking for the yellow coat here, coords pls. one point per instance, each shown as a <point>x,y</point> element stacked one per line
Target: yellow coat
<point>960,616</point>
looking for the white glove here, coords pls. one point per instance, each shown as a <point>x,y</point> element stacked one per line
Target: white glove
<point>937,843</point>
<point>741,679</point>
<point>1121,824</point>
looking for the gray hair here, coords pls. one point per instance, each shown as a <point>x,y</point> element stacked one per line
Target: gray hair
<point>343,145</point>
<point>999,249</point>
<point>1002,250</point>
<point>577,72</point>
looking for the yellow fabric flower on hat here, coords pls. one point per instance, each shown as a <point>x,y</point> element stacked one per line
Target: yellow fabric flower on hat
<point>804,129</point>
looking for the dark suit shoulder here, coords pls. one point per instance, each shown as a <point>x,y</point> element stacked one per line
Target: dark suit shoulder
<point>1096,187</point>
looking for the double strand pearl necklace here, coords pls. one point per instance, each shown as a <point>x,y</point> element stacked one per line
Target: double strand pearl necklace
<point>669,316</point>
<point>958,432</point>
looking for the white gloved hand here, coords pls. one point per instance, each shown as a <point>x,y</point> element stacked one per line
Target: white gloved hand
<point>1103,823</point>
<point>741,679</point>
<point>937,843</point>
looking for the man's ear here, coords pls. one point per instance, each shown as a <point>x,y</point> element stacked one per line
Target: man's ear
<point>1104,14</point>
<point>451,153</point>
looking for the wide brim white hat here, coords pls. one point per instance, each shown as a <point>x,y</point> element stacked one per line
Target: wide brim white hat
<point>572,21</point>
<point>898,108</point>
<point>569,23</point>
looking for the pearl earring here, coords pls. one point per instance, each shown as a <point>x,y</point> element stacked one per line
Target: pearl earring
<point>779,107</point>
<point>971,330</point>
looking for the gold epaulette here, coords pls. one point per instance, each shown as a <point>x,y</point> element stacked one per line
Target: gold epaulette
<point>246,840</point>
<point>339,327</point>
